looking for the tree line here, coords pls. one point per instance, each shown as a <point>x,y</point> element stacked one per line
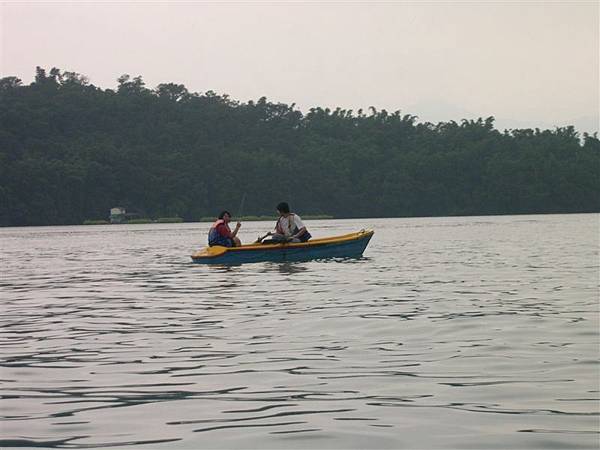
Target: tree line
<point>70,151</point>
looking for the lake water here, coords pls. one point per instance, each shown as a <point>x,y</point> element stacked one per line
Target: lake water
<point>465,332</point>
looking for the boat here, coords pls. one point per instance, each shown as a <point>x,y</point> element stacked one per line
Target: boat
<point>346,246</point>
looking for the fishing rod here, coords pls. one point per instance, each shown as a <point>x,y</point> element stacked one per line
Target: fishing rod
<point>241,208</point>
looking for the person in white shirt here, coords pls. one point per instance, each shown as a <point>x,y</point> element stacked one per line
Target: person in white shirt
<point>289,226</point>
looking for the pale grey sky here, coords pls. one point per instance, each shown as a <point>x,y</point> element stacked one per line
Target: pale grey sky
<point>526,63</point>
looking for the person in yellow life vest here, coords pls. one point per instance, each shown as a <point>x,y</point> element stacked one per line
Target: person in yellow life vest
<point>221,234</point>
<point>289,226</point>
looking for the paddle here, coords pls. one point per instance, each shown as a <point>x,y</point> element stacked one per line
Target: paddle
<point>284,241</point>
<point>215,250</point>
<point>260,238</point>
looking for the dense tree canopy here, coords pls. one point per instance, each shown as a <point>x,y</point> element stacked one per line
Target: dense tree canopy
<point>69,151</point>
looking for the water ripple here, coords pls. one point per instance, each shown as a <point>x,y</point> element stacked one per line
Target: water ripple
<point>450,333</point>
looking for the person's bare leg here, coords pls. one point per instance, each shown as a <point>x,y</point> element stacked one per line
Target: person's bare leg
<point>236,241</point>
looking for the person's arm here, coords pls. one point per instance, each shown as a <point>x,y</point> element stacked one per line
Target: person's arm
<point>300,225</point>
<point>236,229</point>
<point>300,232</point>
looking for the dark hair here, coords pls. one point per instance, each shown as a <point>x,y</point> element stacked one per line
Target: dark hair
<point>283,207</point>
<point>223,214</point>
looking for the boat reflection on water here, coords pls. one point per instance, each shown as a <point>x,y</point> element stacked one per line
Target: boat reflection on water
<point>287,268</point>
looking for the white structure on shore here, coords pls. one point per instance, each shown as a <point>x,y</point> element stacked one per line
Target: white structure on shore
<point>117,215</point>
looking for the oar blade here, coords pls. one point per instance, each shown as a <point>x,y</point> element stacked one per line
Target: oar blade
<point>210,252</point>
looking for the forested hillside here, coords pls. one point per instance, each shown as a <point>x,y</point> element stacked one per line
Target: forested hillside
<point>70,151</point>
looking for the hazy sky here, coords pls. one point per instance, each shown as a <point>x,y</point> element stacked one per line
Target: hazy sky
<point>527,64</point>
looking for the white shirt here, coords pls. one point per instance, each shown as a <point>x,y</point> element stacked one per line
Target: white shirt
<point>285,224</point>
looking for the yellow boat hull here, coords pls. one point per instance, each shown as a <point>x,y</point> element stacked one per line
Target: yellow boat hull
<point>346,246</point>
